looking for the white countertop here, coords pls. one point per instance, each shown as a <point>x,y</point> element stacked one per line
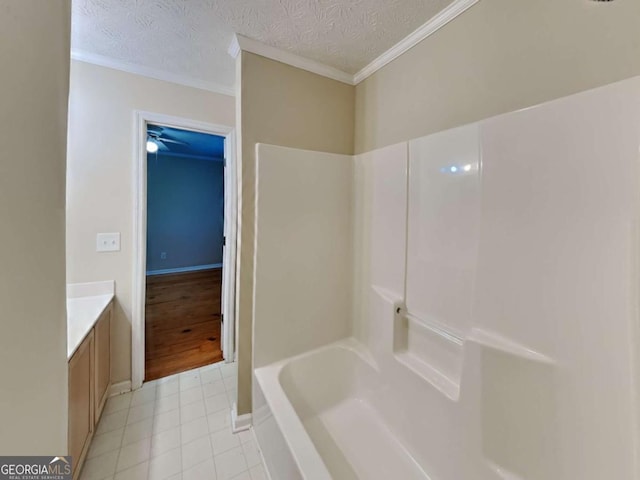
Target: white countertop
<point>82,314</point>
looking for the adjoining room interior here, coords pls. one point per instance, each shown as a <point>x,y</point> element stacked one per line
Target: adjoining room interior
<point>185,245</point>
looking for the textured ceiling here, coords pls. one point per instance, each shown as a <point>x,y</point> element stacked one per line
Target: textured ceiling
<point>191,37</point>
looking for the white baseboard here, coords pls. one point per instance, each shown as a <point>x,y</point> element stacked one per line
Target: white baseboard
<point>239,423</point>
<point>195,268</point>
<point>120,388</point>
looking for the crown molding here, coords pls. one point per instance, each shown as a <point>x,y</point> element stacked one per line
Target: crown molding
<point>240,42</point>
<point>313,66</point>
<point>156,74</point>
<point>411,40</point>
<point>234,47</point>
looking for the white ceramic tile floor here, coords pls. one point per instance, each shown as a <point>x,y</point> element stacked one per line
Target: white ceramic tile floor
<point>175,428</point>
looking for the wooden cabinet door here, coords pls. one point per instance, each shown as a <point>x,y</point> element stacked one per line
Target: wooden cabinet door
<point>81,400</point>
<point>103,361</point>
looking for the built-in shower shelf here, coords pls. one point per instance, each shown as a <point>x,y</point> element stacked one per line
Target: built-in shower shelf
<point>431,351</point>
<point>446,385</point>
<point>436,353</point>
<point>494,341</point>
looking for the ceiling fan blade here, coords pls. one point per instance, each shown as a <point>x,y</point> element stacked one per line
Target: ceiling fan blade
<point>168,140</point>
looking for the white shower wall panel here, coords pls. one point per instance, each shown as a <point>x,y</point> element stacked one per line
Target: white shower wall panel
<point>557,274</point>
<point>303,257</point>
<point>380,224</point>
<point>528,257</point>
<point>444,225</point>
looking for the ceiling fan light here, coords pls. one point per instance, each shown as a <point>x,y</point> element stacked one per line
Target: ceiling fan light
<point>152,147</point>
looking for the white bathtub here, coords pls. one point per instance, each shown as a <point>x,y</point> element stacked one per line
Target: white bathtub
<point>314,419</point>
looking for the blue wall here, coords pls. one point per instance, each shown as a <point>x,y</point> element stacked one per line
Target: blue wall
<point>185,212</point>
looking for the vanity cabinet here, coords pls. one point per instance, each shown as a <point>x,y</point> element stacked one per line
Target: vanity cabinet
<point>81,400</point>
<point>89,382</point>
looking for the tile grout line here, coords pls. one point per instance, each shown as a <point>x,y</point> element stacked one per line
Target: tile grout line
<point>213,453</point>
<point>126,422</point>
<point>154,403</point>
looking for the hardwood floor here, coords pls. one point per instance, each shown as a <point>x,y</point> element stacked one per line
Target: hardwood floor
<point>182,328</point>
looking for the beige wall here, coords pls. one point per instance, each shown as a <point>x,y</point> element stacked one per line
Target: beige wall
<point>100,175</point>
<point>34,85</point>
<point>280,105</point>
<point>499,56</point>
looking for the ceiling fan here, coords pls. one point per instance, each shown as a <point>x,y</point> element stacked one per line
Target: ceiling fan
<point>156,137</point>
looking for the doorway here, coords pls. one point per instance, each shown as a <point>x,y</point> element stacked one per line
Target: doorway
<point>185,235</point>
<point>184,260</point>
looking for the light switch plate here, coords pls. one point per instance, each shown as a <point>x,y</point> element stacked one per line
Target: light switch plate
<point>108,242</point>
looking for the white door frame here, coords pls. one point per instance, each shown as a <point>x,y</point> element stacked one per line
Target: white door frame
<point>141,120</point>
<point>229,250</point>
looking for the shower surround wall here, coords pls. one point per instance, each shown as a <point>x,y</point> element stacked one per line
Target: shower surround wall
<point>493,326</point>
<point>303,258</point>
<point>280,105</point>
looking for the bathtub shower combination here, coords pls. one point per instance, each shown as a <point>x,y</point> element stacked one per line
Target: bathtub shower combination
<point>462,306</point>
